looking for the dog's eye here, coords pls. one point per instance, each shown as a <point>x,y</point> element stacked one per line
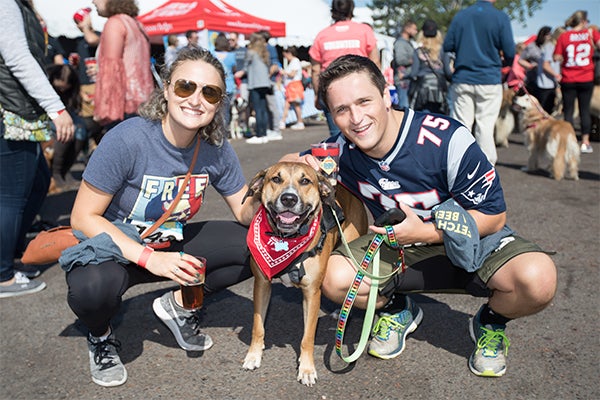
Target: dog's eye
<point>305,181</point>
<point>276,179</point>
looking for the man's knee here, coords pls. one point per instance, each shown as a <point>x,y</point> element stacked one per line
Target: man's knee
<point>538,279</point>
<point>338,279</point>
<point>532,276</point>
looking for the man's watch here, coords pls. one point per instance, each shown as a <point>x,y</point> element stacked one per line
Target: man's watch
<point>54,115</point>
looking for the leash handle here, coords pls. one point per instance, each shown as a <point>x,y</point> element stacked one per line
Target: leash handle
<point>369,315</point>
<point>390,232</point>
<point>372,255</point>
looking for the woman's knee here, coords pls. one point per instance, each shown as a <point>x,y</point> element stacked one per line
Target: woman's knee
<point>95,287</point>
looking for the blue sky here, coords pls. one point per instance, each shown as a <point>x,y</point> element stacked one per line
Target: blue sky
<point>552,13</point>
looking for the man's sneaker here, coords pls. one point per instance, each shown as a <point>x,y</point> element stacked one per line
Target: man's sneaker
<point>281,125</point>
<point>28,270</point>
<point>489,357</point>
<point>21,286</point>
<point>586,148</point>
<point>297,126</point>
<point>390,331</point>
<point>273,135</point>
<point>184,324</point>
<point>105,364</point>
<point>257,140</point>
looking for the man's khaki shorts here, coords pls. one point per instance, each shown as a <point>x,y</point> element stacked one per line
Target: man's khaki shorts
<point>430,270</point>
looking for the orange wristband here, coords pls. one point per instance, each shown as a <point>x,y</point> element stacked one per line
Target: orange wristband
<point>145,256</point>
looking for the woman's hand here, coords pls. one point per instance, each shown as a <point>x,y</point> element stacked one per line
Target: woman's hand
<point>65,130</point>
<point>176,266</point>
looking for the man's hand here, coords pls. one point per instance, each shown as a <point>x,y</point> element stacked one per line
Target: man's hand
<point>307,159</point>
<point>412,229</point>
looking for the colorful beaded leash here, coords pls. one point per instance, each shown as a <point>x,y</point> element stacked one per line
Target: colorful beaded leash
<point>372,255</point>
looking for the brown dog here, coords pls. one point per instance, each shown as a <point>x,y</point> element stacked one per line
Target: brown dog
<point>548,138</point>
<point>293,197</point>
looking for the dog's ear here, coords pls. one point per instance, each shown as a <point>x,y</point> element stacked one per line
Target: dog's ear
<point>256,185</point>
<point>326,190</point>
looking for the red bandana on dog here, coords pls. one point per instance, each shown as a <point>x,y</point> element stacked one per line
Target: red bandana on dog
<point>273,254</point>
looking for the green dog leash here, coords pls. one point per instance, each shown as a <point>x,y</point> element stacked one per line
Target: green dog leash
<point>372,255</point>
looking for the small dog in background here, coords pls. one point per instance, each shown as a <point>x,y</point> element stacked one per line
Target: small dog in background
<point>505,124</point>
<point>239,108</point>
<point>552,143</point>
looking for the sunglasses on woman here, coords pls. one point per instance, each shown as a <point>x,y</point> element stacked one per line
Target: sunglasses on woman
<point>184,88</point>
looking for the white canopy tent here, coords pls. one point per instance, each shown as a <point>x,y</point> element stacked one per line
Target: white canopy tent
<point>303,21</point>
<point>59,14</point>
<point>304,18</point>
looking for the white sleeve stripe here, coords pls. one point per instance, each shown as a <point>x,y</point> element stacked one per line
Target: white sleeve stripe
<point>459,143</point>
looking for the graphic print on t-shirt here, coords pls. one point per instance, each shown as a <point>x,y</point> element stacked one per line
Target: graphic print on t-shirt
<point>156,196</point>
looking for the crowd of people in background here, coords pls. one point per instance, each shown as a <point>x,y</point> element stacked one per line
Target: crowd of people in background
<point>444,73</point>
<point>558,66</point>
<point>70,102</point>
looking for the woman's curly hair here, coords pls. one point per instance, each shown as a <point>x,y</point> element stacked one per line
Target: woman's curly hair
<point>156,107</point>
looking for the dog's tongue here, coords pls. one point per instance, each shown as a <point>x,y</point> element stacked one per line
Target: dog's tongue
<point>287,217</point>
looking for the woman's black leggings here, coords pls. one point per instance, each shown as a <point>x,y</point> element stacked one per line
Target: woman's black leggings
<point>96,291</point>
<point>583,93</point>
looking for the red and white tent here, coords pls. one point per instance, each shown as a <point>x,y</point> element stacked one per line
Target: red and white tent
<point>178,16</point>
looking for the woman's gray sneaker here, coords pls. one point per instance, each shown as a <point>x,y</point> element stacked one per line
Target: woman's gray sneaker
<point>105,364</point>
<point>184,324</point>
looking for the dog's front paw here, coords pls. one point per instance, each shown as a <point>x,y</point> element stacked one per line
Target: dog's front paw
<point>307,376</point>
<point>252,361</point>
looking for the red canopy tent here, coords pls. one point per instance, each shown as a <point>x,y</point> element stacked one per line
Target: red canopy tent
<point>177,16</point>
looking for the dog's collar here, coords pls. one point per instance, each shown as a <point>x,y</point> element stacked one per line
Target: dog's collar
<point>295,270</point>
<point>273,254</point>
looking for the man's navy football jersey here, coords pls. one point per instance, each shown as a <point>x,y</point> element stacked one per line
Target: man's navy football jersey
<point>434,158</point>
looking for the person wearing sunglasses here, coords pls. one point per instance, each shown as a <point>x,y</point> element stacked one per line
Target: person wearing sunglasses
<point>132,177</point>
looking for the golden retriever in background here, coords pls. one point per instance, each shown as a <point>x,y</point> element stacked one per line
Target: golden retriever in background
<point>552,143</point>
<point>505,124</point>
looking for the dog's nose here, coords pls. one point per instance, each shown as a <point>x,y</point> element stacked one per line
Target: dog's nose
<point>289,199</point>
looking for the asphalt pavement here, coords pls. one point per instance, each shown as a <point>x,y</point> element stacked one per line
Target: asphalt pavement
<point>553,355</point>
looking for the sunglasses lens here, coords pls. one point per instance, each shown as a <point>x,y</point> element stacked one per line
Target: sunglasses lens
<point>184,88</point>
<point>212,94</point>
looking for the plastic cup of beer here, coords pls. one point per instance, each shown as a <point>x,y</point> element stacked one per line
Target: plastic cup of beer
<point>328,155</point>
<point>193,294</point>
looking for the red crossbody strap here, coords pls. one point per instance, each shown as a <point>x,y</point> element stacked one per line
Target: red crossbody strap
<point>167,213</point>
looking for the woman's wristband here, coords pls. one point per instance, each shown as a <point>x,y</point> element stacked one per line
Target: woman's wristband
<point>54,115</point>
<point>145,256</point>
